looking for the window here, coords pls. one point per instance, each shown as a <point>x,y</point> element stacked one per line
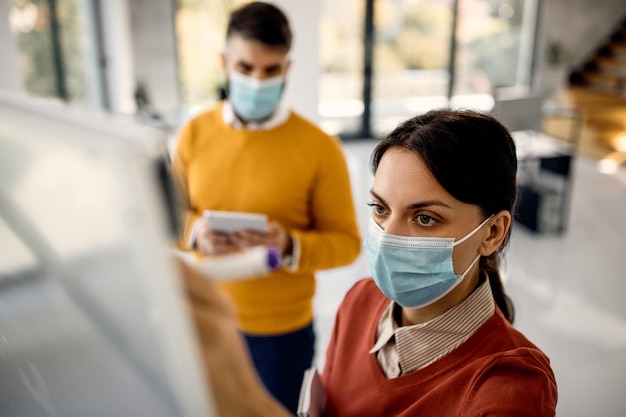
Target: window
<point>424,54</point>
<point>30,23</point>
<point>493,48</point>
<point>79,54</point>
<point>57,52</point>
<point>383,60</point>
<point>201,31</point>
<point>341,54</point>
<point>411,58</point>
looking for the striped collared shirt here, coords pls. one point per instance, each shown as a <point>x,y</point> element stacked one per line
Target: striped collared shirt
<point>402,350</point>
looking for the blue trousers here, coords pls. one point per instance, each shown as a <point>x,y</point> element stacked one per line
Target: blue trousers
<point>281,361</point>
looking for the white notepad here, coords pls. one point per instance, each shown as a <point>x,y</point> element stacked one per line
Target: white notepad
<point>234,221</point>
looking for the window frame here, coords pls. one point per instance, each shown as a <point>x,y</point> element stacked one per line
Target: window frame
<point>366,132</point>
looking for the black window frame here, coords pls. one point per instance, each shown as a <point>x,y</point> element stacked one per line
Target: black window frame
<point>365,132</point>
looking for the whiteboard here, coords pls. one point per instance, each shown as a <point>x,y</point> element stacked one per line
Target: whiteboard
<point>93,321</point>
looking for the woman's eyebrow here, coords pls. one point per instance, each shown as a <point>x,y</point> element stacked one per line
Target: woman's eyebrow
<point>377,197</point>
<point>421,204</point>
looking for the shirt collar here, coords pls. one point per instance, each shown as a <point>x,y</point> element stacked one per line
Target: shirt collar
<point>420,344</point>
<point>279,117</point>
<point>386,328</point>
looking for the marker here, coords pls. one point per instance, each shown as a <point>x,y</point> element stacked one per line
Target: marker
<point>251,263</point>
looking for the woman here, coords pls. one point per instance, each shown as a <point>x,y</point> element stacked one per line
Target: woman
<point>431,332</point>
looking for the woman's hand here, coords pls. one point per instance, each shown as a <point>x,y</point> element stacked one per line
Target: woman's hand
<point>236,389</point>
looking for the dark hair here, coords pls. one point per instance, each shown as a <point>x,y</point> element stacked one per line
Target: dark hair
<point>472,156</point>
<point>261,22</point>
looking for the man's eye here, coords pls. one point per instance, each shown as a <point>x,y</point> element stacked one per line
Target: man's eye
<point>244,69</point>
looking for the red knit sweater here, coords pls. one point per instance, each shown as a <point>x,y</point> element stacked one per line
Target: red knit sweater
<point>496,372</point>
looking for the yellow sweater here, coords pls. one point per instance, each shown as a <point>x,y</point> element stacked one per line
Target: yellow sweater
<point>297,175</point>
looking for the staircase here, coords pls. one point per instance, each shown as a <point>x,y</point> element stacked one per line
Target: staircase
<point>605,71</point>
<point>597,90</point>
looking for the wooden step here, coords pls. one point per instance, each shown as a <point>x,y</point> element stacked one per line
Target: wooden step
<point>600,82</point>
<point>618,49</point>
<point>611,65</point>
<point>598,92</point>
<point>613,138</point>
<point>604,116</point>
<point>590,145</point>
<point>602,125</point>
<point>601,79</point>
<point>581,96</point>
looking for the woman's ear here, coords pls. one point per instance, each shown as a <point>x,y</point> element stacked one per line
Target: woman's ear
<point>498,227</point>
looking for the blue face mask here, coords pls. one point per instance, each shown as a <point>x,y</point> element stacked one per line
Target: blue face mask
<point>413,271</point>
<point>253,99</point>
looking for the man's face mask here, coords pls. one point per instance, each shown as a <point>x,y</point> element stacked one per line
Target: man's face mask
<point>252,99</point>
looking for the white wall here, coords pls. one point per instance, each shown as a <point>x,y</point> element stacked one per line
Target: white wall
<point>580,26</point>
<point>154,44</point>
<point>302,84</point>
<point>118,54</point>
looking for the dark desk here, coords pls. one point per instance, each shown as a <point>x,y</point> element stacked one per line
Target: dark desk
<point>544,181</point>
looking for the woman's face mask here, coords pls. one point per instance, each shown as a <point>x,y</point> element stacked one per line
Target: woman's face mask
<point>253,99</point>
<point>413,271</point>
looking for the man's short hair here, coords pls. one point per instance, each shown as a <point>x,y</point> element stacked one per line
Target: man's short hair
<point>261,22</point>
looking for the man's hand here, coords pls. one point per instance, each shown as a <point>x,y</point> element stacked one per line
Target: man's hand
<point>276,237</point>
<point>214,243</point>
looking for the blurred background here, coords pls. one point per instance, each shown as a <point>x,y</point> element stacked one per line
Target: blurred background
<point>359,65</point>
<point>554,71</point>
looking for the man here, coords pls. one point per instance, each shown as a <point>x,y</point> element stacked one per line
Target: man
<point>251,154</point>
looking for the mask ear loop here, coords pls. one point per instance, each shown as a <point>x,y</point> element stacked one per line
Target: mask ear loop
<point>470,267</point>
<point>470,234</point>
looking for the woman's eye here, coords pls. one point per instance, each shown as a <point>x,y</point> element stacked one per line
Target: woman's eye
<point>377,208</point>
<point>425,220</point>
